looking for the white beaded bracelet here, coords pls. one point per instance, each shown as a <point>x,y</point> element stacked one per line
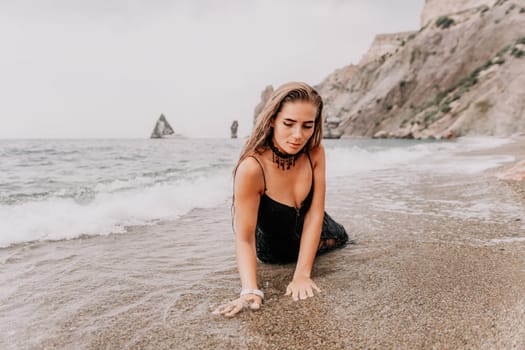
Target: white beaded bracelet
<point>252,291</point>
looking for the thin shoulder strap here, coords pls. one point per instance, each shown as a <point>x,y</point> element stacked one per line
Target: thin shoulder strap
<point>262,169</point>
<point>311,164</point>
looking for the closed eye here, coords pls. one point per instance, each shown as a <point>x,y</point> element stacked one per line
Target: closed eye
<point>290,123</point>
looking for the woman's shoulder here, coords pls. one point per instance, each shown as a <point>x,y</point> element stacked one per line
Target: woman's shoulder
<point>250,165</point>
<point>250,171</point>
<point>317,153</point>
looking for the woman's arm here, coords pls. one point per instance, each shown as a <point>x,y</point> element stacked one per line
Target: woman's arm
<point>248,186</point>
<point>302,286</point>
<point>247,189</point>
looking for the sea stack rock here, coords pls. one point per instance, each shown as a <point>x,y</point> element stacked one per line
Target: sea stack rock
<point>233,129</point>
<point>162,128</point>
<point>265,95</point>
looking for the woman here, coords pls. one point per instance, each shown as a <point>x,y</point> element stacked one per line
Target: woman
<point>279,195</point>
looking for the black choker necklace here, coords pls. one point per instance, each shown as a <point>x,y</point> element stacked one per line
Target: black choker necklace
<point>282,159</point>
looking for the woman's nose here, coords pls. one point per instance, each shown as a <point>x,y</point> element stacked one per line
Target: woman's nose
<point>297,132</point>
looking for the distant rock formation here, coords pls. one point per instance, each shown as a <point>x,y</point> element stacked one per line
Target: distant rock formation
<point>265,95</point>
<point>162,128</point>
<point>461,74</point>
<point>233,129</point>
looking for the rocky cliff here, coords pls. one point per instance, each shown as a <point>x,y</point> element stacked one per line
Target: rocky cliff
<point>265,96</point>
<point>436,8</point>
<point>462,73</point>
<point>384,44</point>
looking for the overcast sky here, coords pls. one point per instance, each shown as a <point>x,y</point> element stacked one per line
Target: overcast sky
<point>109,68</point>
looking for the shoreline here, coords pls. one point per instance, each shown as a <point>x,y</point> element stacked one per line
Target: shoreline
<point>432,269</point>
<point>512,173</point>
<point>447,283</point>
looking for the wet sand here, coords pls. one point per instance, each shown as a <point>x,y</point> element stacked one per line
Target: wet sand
<point>441,283</point>
<point>415,279</point>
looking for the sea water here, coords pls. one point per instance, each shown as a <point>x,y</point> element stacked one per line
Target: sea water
<point>113,243</point>
<point>63,189</point>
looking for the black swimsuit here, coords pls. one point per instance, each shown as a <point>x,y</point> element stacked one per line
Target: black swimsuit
<point>279,228</point>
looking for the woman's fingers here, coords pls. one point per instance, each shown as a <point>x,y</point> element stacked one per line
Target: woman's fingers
<point>310,292</point>
<point>288,291</point>
<point>226,308</point>
<point>220,309</point>
<point>302,294</point>
<point>236,308</point>
<point>295,294</point>
<point>301,291</point>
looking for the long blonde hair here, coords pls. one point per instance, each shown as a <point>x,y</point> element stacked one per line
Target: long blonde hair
<point>262,132</point>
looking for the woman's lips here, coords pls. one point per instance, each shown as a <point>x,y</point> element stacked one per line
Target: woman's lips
<point>294,145</point>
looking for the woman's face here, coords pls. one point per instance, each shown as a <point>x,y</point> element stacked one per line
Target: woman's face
<point>294,125</point>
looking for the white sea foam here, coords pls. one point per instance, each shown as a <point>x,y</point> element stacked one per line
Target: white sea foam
<point>65,218</point>
<point>348,161</point>
<point>113,204</point>
<point>484,209</point>
<point>502,240</point>
<point>478,143</point>
<point>117,185</point>
<point>468,164</point>
<point>442,157</point>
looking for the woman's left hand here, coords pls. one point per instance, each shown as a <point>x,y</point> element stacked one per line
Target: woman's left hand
<point>301,288</point>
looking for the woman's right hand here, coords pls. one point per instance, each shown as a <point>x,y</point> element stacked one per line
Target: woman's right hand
<point>248,301</point>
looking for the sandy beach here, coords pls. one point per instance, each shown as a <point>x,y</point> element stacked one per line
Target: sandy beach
<point>438,284</point>
<point>127,126</point>
<point>433,276</point>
